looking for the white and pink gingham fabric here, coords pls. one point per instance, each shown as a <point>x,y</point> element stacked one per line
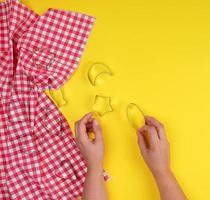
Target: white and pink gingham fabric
<point>39,158</point>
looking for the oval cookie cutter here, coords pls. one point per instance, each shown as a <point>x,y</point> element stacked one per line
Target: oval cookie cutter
<point>135,116</point>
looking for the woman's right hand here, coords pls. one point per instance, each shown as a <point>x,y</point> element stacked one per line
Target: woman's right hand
<point>155,150</point>
<point>154,146</point>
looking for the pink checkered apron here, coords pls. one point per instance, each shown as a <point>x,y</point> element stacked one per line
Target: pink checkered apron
<point>39,158</point>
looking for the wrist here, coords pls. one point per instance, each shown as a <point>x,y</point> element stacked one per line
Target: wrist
<point>97,170</point>
<point>163,174</point>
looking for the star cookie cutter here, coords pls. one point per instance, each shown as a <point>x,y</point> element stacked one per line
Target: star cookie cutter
<point>102,105</point>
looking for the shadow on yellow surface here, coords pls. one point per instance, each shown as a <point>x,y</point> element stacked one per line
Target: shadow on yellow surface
<point>159,54</point>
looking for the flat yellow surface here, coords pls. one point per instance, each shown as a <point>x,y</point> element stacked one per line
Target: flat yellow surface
<point>159,53</point>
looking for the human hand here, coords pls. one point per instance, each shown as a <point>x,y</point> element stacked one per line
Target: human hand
<point>92,150</point>
<point>154,146</point>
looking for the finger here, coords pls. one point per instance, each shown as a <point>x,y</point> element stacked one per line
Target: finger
<point>151,133</point>
<point>159,126</point>
<point>89,124</point>
<point>145,136</point>
<point>89,130</point>
<point>97,130</point>
<point>85,119</point>
<point>76,129</point>
<point>77,140</point>
<point>82,132</point>
<point>91,119</point>
<point>89,127</point>
<point>142,143</point>
<point>78,134</point>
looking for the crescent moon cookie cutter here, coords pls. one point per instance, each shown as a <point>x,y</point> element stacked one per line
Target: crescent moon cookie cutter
<point>96,70</point>
<point>102,105</point>
<point>135,115</point>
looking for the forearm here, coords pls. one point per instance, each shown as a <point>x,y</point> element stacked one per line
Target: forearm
<point>94,186</point>
<point>169,187</point>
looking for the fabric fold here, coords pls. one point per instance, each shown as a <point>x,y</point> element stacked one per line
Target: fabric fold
<point>39,157</point>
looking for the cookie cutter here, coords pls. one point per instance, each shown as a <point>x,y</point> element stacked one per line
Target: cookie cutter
<point>135,116</point>
<point>102,105</point>
<point>58,97</point>
<point>96,70</point>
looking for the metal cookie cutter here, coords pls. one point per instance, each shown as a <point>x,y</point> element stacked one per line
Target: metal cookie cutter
<point>58,97</point>
<point>56,94</point>
<point>102,105</point>
<point>135,116</point>
<point>96,70</point>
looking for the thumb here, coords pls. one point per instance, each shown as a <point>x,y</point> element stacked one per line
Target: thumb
<point>97,130</point>
<point>142,143</point>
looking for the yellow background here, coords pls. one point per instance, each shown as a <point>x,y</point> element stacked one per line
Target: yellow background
<point>159,52</point>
